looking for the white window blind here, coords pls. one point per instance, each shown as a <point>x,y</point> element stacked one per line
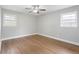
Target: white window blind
<point>69,20</point>
<point>9,20</point>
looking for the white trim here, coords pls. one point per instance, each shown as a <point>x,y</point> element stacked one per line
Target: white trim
<point>60,39</point>
<point>18,36</point>
<point>56,38</point>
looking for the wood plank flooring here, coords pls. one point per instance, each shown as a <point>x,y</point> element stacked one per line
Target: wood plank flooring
<point>37,44</point>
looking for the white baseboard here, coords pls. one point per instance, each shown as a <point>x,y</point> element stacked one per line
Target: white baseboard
<point>60,39</point>
<point>18,36</point>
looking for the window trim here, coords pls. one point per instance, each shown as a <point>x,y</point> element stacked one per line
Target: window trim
<point>61,19</point>
<point>11,15</point>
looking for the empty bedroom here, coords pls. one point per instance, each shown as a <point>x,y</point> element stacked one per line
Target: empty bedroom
<point>39,29</point>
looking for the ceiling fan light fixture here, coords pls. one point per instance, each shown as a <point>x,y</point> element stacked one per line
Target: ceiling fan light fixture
<point>35,11</point>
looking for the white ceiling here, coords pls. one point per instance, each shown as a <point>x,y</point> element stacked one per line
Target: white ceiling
<point>49,8</point>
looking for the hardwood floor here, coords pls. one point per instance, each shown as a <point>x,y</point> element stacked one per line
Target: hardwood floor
<point>37,44</point>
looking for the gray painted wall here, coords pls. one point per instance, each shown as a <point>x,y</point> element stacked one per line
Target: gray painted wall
<point>45,24</point>
<point>50,25</point>
<point>26,24</point>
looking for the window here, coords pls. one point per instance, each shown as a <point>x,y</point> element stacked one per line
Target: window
<point>9,20</point>
<point>69,20</point>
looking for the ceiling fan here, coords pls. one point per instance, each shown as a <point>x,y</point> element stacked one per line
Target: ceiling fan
<point>35,9</point>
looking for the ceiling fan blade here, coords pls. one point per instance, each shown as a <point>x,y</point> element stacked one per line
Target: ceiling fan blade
<point>30,11</point>
<point>38,12</point>
<point>42,9</point>
<point>28,8</point>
